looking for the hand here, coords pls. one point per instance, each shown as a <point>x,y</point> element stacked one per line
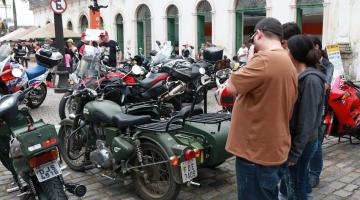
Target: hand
<point>251,52</point>
<point>291,164</point>
<point>327,86</point>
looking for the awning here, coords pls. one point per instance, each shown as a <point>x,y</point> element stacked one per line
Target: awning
<point>48,31</point>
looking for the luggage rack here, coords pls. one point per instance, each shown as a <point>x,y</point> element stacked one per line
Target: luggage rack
<point>209,118</point>
<point>206,118</point>
<point>174,124</point>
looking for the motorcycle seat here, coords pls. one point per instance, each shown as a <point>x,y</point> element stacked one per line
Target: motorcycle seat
<point>153,79</point>
<point>185,112</point>
<point>34,72</point>
<point>123,120</point>
<point>146,83</point>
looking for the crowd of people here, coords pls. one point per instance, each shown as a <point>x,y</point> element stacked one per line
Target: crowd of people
<point>277,128</point>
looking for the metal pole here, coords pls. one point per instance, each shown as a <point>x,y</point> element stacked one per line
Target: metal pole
<point>61,72</point>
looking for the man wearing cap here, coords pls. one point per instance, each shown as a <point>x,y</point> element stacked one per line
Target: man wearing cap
<point>259,136</point>
<point>111,49</point>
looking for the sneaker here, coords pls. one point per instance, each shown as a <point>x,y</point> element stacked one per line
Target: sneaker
<point>314,181</point>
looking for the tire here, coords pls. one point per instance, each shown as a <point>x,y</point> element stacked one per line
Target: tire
<point>63,105</point>
<point>141,185</point>
<point>42,91</point>
<point>65,129</point>
<point>53,189</point>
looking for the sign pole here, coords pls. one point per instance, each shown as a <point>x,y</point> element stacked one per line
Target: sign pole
<point>62,74</point>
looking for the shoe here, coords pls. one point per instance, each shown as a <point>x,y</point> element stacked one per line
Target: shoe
<point>314,181</point>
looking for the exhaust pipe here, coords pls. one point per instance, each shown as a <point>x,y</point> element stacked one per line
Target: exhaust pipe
<point>76,189</point>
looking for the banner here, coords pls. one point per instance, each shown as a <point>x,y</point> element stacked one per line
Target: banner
<point>334,55</point>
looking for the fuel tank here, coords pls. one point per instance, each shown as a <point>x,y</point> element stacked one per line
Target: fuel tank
<point>101,111</point>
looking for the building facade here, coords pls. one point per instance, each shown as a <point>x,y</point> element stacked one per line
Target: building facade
<point>138,24</point>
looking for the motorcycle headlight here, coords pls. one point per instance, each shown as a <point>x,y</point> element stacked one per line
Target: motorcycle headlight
<point>202,71</point>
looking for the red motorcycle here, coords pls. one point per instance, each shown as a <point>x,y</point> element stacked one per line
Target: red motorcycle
<point>343,114</point>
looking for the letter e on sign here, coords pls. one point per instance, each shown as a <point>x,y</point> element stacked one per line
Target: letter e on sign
<point>58,6</point>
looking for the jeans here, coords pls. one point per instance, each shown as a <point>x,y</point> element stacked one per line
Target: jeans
<point>257,182</point>
<point>316,163</point>
<point>299,173</point>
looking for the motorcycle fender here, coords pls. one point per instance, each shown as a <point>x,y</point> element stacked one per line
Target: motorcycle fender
<point>167,143</point>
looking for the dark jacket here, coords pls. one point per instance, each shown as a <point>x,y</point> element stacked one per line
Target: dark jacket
<point>329,70</point>
<point>307,113</point>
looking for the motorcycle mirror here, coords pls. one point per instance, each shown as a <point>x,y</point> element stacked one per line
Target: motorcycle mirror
<point>202,71</point>
<point>136,69</point>
<point>16,72</point>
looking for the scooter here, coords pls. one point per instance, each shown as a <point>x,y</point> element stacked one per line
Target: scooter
<point>32,77</point>
<point>29,151</point>
<point>343,115</point>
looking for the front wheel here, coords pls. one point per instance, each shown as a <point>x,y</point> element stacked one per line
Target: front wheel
<point>155,182</point>
<point>53,189</point>
<point>37,96</point>
<point>67,105</point>
<point>72,146</point>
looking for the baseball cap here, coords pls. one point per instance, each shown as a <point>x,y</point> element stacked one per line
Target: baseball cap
<point>268,24</point>
<point>105,33</point>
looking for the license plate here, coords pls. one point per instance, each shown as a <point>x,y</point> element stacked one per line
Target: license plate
<point>47,171</point>
<point>188,170</point>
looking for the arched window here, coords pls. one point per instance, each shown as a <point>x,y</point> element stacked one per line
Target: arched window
<point>248,13</point>
<point>204,23</point>
<point>173,26</point>
<point>144,29</point>
<point>120,31</point>
<point>84,24</point>
<point>69,25</point>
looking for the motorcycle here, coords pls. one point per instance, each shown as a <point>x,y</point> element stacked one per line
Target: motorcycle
<point>32,77</point>
<point>29,150</point>
<point>343,114</point>
<point>102,136</point>
<point>137,90</point>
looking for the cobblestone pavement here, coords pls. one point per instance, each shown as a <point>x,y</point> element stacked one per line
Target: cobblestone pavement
<point>340,179</point>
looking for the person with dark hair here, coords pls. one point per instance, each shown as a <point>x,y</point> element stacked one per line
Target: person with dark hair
<point>316,163</point>
<point>289,29</point>
<point>307,113</point>
<point>259,135</point>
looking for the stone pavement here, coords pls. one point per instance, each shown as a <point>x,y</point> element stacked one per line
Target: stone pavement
<point>340,179</point>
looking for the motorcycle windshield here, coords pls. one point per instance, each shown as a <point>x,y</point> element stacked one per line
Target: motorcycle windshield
<point>89,64</point>
<point>5,52</point>
<point>164,54</point>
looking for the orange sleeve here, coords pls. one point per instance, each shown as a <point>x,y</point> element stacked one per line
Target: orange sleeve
<point>249,77</point>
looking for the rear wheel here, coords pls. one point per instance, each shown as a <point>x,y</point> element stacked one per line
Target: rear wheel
<point>37,96</point>
<point>155,182</point>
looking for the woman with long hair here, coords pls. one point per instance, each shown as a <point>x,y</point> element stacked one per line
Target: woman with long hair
<point>307,113</point>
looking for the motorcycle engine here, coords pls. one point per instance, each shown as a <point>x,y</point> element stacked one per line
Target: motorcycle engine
<point>101,156</point>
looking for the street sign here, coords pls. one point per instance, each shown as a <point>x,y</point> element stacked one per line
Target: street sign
<point>334,56</point>
<point>58,6</point>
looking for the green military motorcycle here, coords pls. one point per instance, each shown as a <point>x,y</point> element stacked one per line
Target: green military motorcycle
<point>29,150</point>
<point>101,136</point>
